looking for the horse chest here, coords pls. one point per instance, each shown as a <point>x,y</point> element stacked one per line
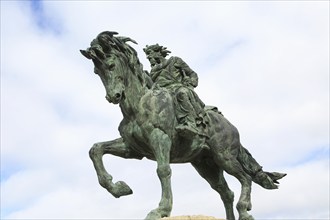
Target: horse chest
<point>134,137</point>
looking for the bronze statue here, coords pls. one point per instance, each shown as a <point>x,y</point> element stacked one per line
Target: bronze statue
<point>150,128</point>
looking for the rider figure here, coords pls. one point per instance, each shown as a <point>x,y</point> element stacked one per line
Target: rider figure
<point>176,76</point>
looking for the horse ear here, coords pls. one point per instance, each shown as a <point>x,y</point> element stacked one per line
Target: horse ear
<point>129,39</point>
<point>109,33</point>
<point>86,54</point>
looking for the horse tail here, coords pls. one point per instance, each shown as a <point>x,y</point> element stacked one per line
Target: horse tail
<point>265,179</point>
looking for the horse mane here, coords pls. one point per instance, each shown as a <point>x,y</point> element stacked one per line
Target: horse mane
<point>120,48</point>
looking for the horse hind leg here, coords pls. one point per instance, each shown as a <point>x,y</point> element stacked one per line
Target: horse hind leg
<point>244,203</point>
<point>212,173</point>
<point>233,167</point>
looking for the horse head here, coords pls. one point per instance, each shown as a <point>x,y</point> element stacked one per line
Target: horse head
<point>110,63</point>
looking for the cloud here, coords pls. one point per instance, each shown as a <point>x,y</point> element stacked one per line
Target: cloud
<point>265,65</point>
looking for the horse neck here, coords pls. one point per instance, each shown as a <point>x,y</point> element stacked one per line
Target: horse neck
<point>134,90</point>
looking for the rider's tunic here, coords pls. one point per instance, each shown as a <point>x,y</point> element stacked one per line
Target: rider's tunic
<point>176,76</point>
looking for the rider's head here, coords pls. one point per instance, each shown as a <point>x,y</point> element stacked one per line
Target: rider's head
<point>156,53</point>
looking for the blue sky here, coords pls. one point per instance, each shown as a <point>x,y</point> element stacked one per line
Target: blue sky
<point>265,65</point>
<point>42,19</point>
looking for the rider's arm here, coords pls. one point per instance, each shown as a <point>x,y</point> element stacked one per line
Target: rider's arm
<point>188,73</point>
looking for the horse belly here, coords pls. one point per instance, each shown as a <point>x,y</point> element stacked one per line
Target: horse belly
<point>185,150</point>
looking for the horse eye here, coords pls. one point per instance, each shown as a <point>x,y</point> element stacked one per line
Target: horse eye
<point>111,66</point>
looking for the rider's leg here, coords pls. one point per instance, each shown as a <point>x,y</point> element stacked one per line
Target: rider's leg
<point>186,113</point>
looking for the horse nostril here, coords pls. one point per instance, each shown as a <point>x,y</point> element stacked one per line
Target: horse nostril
<point>113,99</point>
<point>107,97</point>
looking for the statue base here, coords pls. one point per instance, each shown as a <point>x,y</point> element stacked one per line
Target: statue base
<point>191,217</point>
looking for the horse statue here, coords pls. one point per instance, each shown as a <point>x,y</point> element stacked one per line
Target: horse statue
<point>148,130</point>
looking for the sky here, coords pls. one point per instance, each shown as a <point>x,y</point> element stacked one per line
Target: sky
<point>264,64</point>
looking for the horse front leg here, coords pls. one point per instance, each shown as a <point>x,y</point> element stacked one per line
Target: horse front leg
<point>161,144</point>
<point>118,148</point>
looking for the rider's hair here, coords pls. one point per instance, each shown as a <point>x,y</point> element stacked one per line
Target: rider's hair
<point>156,47</point>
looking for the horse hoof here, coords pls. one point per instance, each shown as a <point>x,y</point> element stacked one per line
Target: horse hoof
<point>246,217</point>
<point>154,215</point>
<point>121,189</point>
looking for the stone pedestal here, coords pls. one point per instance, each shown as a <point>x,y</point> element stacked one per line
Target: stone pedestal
<point>192,217</point>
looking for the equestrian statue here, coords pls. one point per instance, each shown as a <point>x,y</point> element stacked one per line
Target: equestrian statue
<point>164,120</point>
